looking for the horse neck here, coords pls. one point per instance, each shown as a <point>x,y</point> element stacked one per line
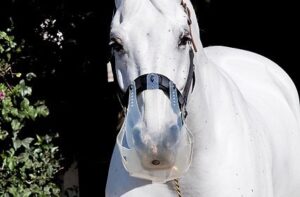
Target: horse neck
<point>215,101</point>
<point>225,133</point>
<point>214,96</point>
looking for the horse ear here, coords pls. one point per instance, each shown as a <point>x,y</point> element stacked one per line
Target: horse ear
<point>118,3</point>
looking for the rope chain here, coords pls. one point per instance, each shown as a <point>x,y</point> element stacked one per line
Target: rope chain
<point>177,187</point>
<point>188,12</point>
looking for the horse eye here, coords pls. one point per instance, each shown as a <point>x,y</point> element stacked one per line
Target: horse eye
<point>184,40</point>
<point>116,44</point>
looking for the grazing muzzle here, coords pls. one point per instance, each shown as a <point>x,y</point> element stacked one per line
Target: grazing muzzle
<point>164,163</point>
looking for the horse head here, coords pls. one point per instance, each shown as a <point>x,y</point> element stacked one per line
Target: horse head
<point>153,47</point>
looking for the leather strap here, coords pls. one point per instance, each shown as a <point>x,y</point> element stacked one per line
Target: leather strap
<point>141,85</point>
<point>190,79</point>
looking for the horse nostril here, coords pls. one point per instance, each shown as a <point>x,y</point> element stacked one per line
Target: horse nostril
<point>155,162</point>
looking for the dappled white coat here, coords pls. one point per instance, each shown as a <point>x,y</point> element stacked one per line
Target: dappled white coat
<point>244,115</point>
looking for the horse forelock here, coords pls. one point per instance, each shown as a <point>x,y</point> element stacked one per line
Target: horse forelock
<point>129,8</point>
<point>159,4</point>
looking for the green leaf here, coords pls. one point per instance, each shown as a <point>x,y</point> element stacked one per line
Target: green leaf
<point>42,110</point>
<point>11,152</point>
<point>8,56</point>
<point>2,34</point>
<point>23,89</point>
<point>32,113</point>
<point>32,176</point>
<point>18,75</point>
<point>4,161</point>
<point>28,164</point>
<point>13,190</point>
<point>47,190</point>
<point>48,138</point>
<point>18,49</point>
<point>27,193</point>
<point>3,134</point>
<point>39,138</point>
<point>25,104</point>
<point>11,163</point>
<point>30,76</point>
<point>26,91</point>
<point>22,83</point>
<point>37,151</point>
<point>6,102</point>
<point>6,195</point>
<point>1,49</point>
<point>17,144</point>
<point>14,111</point>
<point>54,149</point>
<point>26,142</point>
<point>5,115</point>
<point>16,125</point>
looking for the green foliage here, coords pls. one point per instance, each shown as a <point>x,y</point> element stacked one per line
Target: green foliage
<point>7,48</point>
<point>28,164</point>
<point>28,168</point>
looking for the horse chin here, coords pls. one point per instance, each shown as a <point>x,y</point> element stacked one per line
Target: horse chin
<point>153,156</point>
<point>158,162</point>
<point>157,150</point>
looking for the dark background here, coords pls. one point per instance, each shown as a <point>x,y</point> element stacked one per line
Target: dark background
<point>73,81</point>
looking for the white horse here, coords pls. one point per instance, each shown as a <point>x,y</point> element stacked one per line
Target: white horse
<point>242,110</point>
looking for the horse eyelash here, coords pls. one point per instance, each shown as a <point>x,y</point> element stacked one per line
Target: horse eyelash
<point>184,39</point>
<point>116,44</point>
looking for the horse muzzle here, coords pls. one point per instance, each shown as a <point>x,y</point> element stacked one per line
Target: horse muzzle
<point>157,164</point>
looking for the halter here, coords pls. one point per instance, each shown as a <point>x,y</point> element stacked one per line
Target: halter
<point>158,81</point>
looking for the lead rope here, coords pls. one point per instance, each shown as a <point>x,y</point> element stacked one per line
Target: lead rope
<point>177,187</point>
<point>188,12</point>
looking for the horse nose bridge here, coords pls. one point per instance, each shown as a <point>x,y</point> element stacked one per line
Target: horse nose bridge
<point>155,109</point>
